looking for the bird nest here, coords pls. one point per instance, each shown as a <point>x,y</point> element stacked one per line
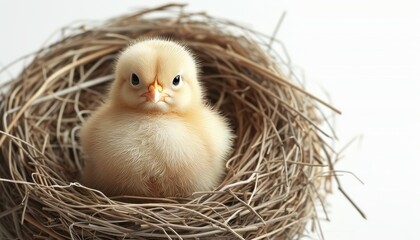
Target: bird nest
<point>275,177</point>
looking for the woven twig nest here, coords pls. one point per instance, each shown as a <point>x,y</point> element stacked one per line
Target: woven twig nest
<point>274,177</point>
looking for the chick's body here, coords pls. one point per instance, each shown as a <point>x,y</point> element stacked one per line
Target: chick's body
<point>154,136</point>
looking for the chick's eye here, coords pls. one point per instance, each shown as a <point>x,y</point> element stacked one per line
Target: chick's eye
<point>177,80</point>
<point>135,81</point>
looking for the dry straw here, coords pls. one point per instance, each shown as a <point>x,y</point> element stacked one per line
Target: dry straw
<point>274,181</point>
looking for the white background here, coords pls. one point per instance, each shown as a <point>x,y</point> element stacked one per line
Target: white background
<point>366,54</point>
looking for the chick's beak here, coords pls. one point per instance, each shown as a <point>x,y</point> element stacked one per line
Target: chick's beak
<point>155,92</point>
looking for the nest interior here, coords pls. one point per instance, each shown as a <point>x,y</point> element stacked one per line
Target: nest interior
<point>274,177</point>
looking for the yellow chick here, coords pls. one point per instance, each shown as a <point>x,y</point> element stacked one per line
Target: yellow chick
<point>154,136</point>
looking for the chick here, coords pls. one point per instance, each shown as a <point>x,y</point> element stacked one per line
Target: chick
<point>154,136</point>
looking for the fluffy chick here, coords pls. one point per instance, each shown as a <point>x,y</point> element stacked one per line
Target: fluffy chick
<point>154,135</point>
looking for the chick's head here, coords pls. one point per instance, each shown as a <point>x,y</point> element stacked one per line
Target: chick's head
<point>156,76</point>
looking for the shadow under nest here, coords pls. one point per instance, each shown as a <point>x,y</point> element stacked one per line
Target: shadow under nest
<point>274,177</point>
